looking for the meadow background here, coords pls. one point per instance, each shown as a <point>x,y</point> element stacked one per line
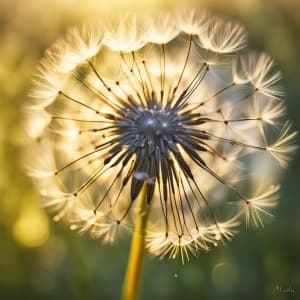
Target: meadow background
<point>40,260</point>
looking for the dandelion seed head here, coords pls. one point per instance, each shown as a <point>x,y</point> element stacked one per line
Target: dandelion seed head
<point>167,99</point>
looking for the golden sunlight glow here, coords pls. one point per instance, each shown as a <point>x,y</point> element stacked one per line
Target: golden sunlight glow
<point>31,229</point>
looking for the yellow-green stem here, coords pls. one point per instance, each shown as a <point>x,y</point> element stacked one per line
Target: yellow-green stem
<point>137,250</point>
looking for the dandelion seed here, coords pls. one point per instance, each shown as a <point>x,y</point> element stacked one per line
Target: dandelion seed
<point>193,22</point>
<point>284,145</point>
<point>168,100</point>
<point>258,69</point>
<point>222,36</point>
<point>256,207</point>
<point>125,36</point>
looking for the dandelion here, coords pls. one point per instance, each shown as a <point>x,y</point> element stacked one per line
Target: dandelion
<point>149,125</point>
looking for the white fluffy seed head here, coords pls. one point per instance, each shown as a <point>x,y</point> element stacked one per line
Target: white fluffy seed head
<point>166,98</point>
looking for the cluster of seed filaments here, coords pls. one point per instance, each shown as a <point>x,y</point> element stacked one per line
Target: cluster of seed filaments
<point>152,134</point>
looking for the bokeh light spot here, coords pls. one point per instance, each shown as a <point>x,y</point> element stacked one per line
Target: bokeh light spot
<point>31,229</point>
<point>225,276</point>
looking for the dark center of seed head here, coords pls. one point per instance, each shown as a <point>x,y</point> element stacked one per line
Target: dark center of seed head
<point>154,122</point>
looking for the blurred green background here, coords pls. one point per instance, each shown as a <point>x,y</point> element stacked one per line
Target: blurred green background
<point>43,260</point>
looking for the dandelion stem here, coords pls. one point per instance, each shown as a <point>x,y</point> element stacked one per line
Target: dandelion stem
<point>135,261</point>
